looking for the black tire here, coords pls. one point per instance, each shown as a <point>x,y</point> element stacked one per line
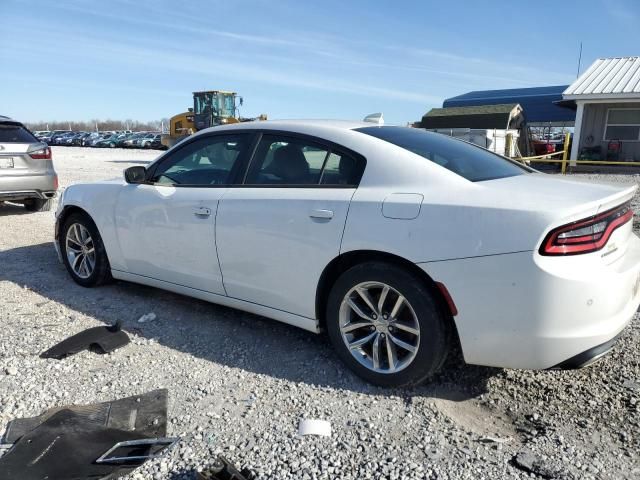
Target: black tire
<point>38,204</point>
<point>433,325</point>
<point>102,271</point>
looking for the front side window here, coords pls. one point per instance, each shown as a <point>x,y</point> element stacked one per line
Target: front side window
<point>211,160</point>
<point>469,161</point>
<point>623,124</point>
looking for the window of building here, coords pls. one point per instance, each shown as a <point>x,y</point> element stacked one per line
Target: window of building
<point>623,124</point>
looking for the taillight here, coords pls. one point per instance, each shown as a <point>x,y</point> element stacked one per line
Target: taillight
<point>42,154</point>
<point>588,235</point>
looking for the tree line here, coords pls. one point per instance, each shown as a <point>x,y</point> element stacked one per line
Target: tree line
<point>96,125</point>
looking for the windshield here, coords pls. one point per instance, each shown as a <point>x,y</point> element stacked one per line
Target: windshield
<point>203,102</point>
<point>467,160</point>
<point>221,104</point>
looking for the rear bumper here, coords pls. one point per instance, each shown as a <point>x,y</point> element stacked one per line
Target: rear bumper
<point>587,357</point>
<point>19,187</point>
<point>517,311</point>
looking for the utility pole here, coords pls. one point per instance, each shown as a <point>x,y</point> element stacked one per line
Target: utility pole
<point>579,61</point>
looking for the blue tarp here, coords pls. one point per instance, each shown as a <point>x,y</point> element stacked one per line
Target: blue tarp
<point>536,102</point>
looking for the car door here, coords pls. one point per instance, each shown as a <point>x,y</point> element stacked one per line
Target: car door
<point>166,226</point>
<point>278,231</point>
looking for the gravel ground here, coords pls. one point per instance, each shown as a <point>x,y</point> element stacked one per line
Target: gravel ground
<point>239,384</point>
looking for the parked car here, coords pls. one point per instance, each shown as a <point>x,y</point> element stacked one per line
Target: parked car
<point>398,242</point>
<point>132,141</point>
<point>27,175</point>
<point>56,135</point>
<point>123,139</point>
<point>79,139</point>
<point>46,138</point>
<point>146,141</point>
<point>110,141</point>
<point>69,140</point>
<point>86,140</point>
<point>92,140</point>
<point>156,143</point>
<point>64,139</point>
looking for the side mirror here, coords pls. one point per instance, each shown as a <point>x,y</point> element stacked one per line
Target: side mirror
<point>135,175</point>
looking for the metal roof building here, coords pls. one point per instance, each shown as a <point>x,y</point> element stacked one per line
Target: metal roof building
<point>607,97</point>
<point>607,76</point>
<point>539,103</point>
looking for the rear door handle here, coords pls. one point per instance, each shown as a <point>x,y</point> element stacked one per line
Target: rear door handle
<point>202,212</point>
<point>321,213</point>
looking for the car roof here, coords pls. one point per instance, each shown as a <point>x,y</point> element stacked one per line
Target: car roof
<point>292,125</point>
<point>4,119</point>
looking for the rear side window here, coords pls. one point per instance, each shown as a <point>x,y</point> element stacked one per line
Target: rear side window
<point>16,134</point>
<point>286,161</point>
<point>469,161</point>
<point>291,161</point>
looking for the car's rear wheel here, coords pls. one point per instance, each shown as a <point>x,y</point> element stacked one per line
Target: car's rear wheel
<point>386,325</point>
<point>83,252</point>
<point>38,204</point>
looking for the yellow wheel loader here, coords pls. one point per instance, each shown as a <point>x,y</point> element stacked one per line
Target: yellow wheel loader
<point>210,108</point>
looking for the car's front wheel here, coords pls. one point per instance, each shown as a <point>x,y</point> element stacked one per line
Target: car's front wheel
<point>83,252</point>
<point>386,325</point>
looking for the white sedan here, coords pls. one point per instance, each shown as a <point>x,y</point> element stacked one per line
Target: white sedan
<point>395,241</point>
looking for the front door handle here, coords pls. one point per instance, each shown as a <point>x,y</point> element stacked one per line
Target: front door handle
<point>202,212</point>
<point>321,213</point>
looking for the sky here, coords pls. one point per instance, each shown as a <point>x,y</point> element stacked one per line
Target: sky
<point>142,59</point>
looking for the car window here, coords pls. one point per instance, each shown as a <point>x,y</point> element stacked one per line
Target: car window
<point>15,134</point>
<point>286,161</point>
<point>469,161</point>
<point>342,169</point>
<point>211,160</point>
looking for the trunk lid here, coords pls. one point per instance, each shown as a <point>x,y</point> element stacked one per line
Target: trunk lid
<point>564,197</point>
<point>563,201</point>
<point>16,142</point>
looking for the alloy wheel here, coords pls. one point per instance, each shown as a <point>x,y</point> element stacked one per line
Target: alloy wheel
<point>80,250</point>
<point>379,327</point>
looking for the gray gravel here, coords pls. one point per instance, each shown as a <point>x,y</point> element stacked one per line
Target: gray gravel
<point>239,384</point>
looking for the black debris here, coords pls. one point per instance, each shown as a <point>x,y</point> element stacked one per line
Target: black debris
<point>100,339</point>
<point>222,469</point>
<point>64,443</point>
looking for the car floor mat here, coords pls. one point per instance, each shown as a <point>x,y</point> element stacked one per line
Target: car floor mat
<point>102,339</point>
<point>64,443</point>
<point>145,414</point>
